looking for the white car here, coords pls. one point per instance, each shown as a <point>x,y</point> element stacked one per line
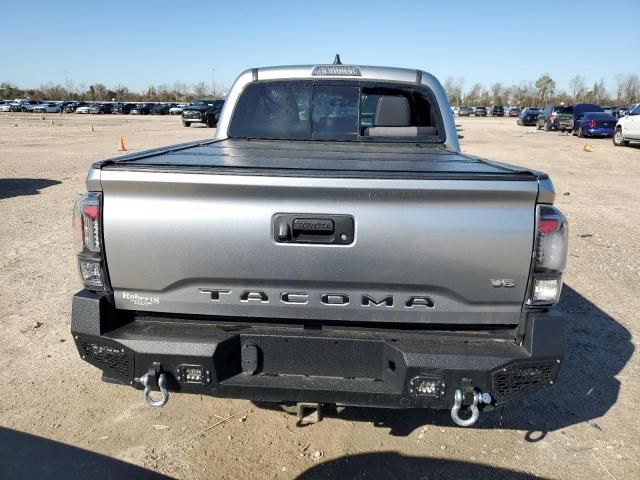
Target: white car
<point>628,128</point>
<point>29,105</point>
<point>177,110</point>
<point>84,109</point>
<point>48,107</point>
<point>5,107</point>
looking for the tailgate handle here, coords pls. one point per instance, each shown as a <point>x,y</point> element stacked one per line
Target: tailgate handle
<point>305,228</point>
<point>313,226</point>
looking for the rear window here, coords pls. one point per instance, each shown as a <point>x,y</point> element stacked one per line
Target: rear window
<point>562,110</point>
<point>344,111</point>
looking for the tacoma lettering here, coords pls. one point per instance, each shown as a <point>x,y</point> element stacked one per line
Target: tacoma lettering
<point>302,298</point>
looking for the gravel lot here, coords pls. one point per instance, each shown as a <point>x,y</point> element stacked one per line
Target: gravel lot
<point>57,419</point>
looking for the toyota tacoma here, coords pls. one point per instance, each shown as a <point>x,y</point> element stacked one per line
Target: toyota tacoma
<point>330,246</point>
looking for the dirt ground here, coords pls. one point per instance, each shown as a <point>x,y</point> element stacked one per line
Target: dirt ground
<point>57,419</point>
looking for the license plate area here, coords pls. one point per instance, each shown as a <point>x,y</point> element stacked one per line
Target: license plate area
<point>313,356</point>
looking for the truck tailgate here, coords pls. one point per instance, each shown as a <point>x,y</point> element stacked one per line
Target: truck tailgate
<point>423,250</point>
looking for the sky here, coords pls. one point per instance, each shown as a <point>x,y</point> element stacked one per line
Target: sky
<point>152,42</point>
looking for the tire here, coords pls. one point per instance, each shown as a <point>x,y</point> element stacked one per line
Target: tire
<point>618,139</point>
<point>211,121</point>
<point>186,124</point>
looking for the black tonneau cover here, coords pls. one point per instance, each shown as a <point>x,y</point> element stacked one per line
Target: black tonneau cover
<point>312,158</point>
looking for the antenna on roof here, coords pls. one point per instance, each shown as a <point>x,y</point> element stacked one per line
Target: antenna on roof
<point>336,61</point>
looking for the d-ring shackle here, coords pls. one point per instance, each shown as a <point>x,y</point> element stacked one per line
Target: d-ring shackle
<point>475,412</point>
<point>162,384</point>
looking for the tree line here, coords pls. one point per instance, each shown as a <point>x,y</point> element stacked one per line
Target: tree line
<point>626,90</point>
<point>98,92</point>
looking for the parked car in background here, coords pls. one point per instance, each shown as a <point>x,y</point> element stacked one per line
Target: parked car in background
<point>595,124</point>
<point>100,108</point>
<point>64,105</point>
<point>142,109</point>
<point>556,117</point>
<point>580,109</point>
<point>620,112</point>
<point>465,111</point>
<point>177,109</point>
<point>497,111</point>
<point>29,105</point>
<point>71,107</point>
<point>480,112</point>
<point>205,111</point>
<point>84,109</point>
<point>10,106</point>
<point>628,128</point>
<point>121,108</point>
<point>515,112</point>
<point>160,109</point>
<point>48,107</point>
<point>528,116</point>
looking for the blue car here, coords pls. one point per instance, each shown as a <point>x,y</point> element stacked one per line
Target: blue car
<point>595,124</point>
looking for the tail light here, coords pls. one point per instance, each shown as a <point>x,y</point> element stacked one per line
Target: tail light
<point>550,256</point>
<point>87,235</point>
<point>591,123</point>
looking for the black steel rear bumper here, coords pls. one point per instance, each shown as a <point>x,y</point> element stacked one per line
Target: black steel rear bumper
<point>335,365</point>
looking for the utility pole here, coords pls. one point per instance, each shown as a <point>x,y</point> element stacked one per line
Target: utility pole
<point>213,81</point>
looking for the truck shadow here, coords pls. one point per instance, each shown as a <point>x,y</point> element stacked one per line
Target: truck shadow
<point>28,456</point>
<point>386,465</point>
<point>16,187</point>
<point>598,348</point>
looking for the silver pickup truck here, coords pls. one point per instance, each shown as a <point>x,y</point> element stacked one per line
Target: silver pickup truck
<point>331,246</point>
